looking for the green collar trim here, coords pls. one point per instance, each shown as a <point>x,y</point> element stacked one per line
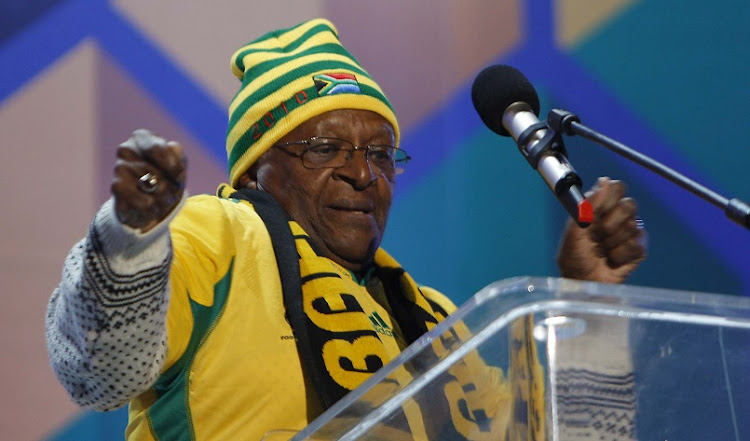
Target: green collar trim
<point>366,277</point>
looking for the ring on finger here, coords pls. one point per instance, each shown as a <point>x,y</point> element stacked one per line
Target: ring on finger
<point>643,234</point>
<point>148,182</point>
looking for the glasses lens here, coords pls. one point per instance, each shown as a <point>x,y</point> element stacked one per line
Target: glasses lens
<point>333,152</point>
<point>400,156</point>
<point>382,156</point>
<point>326,152</point>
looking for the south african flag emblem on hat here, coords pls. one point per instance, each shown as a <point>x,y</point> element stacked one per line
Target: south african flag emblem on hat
<point>333,83</point>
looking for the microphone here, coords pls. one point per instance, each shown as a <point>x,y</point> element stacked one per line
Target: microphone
<point>508,104</point>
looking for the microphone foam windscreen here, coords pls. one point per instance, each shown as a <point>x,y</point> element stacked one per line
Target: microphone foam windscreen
<point>497,87</point>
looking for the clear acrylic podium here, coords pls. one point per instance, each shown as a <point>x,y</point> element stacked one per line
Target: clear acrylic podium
<point>556,359</point>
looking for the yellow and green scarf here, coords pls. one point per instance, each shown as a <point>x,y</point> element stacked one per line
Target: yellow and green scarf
<point>340,349</point>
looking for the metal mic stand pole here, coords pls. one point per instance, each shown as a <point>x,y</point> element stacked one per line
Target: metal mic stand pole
<point>567,123</point>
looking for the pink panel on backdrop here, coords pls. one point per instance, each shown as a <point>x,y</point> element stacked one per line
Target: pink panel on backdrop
<point>65,125</point>
<point>124,107</point>
<point>202,36</point>
<point>48,174</point>
<point>420,51</point>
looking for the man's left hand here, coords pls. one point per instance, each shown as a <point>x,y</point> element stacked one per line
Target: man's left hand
<point>613,245</point>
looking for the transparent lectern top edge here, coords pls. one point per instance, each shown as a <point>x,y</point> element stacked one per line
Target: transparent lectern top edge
<point>505,300</point>
<point>532,289</point>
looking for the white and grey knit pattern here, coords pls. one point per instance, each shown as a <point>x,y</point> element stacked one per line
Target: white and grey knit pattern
<point>106,333</point>
<point>597,406</point>
<point>594,382</point>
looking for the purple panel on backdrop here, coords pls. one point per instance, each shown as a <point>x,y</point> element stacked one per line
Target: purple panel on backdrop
<point>122,106</point>
<point>436,137</point>
<point>183,97</point>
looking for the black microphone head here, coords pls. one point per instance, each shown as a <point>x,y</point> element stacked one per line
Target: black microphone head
<point>496,88</point>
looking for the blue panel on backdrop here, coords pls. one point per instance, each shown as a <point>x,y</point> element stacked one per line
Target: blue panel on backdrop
<point>15,15</point>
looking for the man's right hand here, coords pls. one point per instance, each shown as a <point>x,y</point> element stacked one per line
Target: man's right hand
<point>149,179</point>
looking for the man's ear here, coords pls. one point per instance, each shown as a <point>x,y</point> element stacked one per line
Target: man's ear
<point>249,179</point>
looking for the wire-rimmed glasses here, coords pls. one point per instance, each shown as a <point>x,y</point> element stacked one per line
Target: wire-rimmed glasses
<point>328,152</point>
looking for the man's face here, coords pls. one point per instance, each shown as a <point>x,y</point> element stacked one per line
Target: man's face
<point>344,210</point>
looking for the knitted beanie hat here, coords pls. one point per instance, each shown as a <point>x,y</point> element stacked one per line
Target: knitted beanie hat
<point>289,76</point>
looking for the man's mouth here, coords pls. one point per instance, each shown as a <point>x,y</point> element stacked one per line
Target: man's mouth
<point>352,207</point>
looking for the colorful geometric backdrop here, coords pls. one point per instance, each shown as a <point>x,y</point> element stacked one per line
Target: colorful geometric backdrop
<point>668,78</point>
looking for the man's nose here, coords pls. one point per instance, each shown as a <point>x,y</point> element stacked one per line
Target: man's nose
<point>357,169</point>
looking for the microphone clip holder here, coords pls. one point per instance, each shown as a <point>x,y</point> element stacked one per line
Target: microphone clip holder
<point>551,141</point>
<point>560,121</point>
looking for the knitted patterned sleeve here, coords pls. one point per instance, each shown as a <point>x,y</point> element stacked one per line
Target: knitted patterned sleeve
<point>595,382</point>
<point>105,323</point>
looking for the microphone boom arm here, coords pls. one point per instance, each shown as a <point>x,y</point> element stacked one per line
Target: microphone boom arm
<point>564,122</point>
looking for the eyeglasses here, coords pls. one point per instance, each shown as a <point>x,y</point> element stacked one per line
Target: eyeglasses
<point>325,152</point>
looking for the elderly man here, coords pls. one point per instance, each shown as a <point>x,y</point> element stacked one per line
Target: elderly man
<point>236,315</point>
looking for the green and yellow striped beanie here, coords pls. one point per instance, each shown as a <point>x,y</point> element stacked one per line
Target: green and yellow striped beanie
<point>289,76</point>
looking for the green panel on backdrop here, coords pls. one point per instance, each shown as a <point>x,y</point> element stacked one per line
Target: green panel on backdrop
<point>480,216</point>
<point>683,65</point>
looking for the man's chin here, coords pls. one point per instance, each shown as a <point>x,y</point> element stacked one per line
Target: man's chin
<point>355,259</point>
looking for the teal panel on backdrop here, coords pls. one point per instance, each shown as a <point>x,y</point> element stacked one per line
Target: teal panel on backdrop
<point>683,65</point>
<point>677,259</point>
<point>95,426</point>
<point>480,216</point>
